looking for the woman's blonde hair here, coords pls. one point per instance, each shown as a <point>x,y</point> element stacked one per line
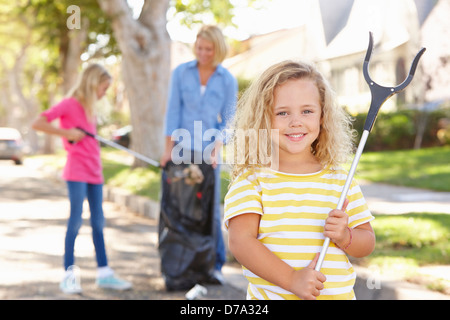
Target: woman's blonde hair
<point>214,35</point>
<point>255,109</point>
<point>85,90</point>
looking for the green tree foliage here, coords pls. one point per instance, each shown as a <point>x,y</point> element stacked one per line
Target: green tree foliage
<point>49,21</point>
<point>194,12</point>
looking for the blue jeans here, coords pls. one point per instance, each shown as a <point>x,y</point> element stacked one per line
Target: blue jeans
<point>78,191</point>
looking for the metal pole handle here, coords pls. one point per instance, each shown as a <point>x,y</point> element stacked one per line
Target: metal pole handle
<point>347,185</point>
<point>118,146</point>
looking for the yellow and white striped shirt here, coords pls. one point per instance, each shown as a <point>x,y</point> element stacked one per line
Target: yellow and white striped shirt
<point>293,209</point>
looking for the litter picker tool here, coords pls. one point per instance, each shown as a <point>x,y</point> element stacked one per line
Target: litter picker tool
<point>120,147</point>
<point>379,95</point>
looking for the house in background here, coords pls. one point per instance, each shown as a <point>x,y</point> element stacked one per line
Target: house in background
<point>335,36</point>
<point>435,36</point>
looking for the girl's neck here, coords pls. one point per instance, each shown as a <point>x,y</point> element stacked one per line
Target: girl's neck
<point>298,165</point>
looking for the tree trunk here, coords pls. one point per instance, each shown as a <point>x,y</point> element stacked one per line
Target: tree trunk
<point>145,47</point>
<point>76,44</point>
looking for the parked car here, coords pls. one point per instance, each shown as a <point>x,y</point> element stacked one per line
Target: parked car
<point>122,136</point>
<point>11,145</point>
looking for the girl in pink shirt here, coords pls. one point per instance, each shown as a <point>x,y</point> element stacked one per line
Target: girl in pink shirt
<point>83,170</point>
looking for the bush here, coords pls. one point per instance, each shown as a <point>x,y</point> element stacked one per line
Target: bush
<point>398,130</point>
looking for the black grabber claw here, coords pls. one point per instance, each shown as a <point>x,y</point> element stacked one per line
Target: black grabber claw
<point>379,93</point>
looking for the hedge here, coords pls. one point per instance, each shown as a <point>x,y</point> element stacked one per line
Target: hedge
<point>398,130</point>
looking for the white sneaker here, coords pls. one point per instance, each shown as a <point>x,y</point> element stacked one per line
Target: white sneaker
<point>70,285</point>
<point>112,282</point>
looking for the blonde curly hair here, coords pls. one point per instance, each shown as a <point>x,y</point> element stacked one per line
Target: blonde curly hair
<point>254,111</point>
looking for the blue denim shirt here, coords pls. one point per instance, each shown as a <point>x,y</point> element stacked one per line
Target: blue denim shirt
<point>188,109</point>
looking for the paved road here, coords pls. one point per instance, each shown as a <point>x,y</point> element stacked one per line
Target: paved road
<point>33,214</point>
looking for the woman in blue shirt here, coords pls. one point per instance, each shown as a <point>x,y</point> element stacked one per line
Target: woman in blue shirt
<point>202,97</point>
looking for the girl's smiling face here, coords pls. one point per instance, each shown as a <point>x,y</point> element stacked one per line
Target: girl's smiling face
<point>297,116</point>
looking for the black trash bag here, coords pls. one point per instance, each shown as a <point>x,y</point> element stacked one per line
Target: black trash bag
<point>186,227</point>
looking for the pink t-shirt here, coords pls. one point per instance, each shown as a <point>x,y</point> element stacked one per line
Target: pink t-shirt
<point>83,158</point>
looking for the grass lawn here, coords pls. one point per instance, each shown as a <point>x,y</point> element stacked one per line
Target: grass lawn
<point>417,238</point>
<point>408,241</point>
<point>140,181</point>
<point>425,168</point>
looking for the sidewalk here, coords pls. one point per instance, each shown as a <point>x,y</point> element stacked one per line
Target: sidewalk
<point>388,199</point>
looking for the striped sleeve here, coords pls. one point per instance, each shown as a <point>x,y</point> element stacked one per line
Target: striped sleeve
<point>244,196</point>
<point>357,209</point>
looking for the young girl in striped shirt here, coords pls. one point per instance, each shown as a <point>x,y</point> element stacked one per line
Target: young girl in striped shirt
<point>278,212</point>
